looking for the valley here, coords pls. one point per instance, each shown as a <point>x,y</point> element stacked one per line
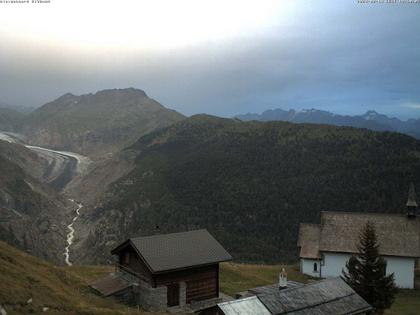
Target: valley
<point>249,183</point>
<point>60,169</point>
<point>48,146</point>
<point>68,198</point>
<point>63,166</point>
<point>234,178</point>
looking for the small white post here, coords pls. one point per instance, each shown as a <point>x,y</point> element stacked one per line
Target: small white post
<point>283,279</point>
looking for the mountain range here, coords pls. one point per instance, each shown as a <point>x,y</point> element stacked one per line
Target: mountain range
<point>370,120</point>
<point>249,183</point>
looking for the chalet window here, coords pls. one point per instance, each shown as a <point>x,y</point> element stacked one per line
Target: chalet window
<point>127,258</point>
<point>315,267</point>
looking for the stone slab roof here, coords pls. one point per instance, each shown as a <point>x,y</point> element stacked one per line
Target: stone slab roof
<point>274,288</point>
<point>398,234</point>
<point>327,297</point>
<point>167,252</point>
<point>247,306</point>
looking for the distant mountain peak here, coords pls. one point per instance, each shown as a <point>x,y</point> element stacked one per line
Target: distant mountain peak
<point>67,95</point>
<point>309,110</point>
<point>129,90</point>
<point>370,120</point>
<point>371,115</point>
<point>106,92</point>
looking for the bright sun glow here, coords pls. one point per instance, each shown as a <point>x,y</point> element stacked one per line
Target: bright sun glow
<point>138,24</point>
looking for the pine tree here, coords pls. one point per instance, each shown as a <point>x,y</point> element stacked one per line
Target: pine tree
<point>366,272</point>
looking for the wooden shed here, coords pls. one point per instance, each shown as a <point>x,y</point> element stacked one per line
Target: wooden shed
<point>185,264</point>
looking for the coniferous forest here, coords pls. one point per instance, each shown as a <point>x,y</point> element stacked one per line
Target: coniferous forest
<point>252,183</point>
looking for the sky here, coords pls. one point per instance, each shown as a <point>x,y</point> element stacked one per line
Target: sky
<point>217,57</point>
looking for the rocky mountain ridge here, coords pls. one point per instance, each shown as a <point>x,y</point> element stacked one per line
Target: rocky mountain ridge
<point>371,120</point>
<point>96,124</point>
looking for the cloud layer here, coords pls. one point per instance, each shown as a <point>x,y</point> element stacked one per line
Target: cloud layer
<point>344,57</point>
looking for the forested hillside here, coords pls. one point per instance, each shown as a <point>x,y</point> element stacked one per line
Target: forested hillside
<point>29,285</point>
<point>251,183</point>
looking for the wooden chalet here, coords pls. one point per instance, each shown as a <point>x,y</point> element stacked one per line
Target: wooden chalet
<point>177,269</point>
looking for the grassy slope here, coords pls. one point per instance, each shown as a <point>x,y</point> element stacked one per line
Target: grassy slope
<point>239,277</point>
<point>62,289</point>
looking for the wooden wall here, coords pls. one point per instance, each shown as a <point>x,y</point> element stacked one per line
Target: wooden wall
<point>135,264</point>
<point>202,282</point>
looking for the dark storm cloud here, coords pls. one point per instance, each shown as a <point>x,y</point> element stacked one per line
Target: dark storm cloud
<point>343,58</point>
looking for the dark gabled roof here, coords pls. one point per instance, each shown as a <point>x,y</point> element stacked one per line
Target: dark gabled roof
<point>167,252</point>
<point>327,297</point>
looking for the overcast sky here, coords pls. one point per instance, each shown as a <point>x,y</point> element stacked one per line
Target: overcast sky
<point>218,58</point>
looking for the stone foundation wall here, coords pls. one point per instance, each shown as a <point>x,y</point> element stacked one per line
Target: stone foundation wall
<point>182,294</point>
<point>128,296</point>
<point>152,298</point>
<point>143,294</point>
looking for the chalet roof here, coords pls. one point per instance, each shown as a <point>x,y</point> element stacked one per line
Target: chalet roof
<point>327,297</point>
<point>398,235</point>
<point>173,251</point>
<point>308,240</point>
<point>110,284</point>
<point>274,288</point>
<point>247,306</point>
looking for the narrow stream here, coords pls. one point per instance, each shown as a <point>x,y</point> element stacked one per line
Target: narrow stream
<point>70,235</point>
